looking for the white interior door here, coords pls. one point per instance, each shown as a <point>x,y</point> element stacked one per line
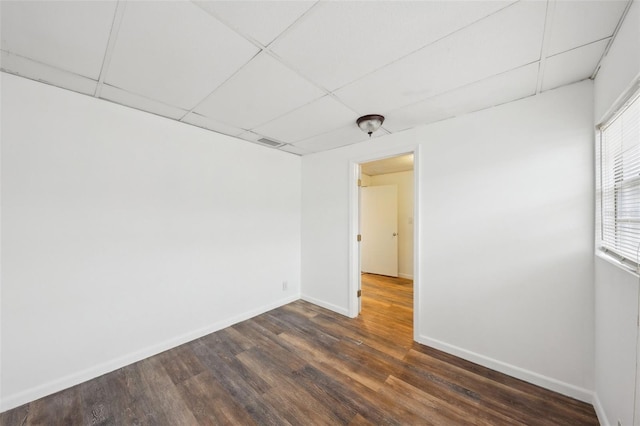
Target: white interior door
<point>379,229</point>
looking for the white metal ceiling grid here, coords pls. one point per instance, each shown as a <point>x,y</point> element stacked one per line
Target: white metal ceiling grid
<point>302,72</point>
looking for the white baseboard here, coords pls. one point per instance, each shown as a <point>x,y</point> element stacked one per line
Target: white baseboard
<point>406,276</point>
<point>511,370</point>
<point>335,308</point>
<point>12,401</point>
<point>602,416</point>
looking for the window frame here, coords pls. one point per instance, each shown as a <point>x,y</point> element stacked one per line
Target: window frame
<point>604,248</point>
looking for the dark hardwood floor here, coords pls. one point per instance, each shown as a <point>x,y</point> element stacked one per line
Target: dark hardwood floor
<point>301,364</point>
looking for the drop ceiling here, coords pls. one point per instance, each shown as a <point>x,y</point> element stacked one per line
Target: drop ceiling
<point>301,72</point>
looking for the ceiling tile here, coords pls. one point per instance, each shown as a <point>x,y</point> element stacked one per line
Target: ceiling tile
<point>310,120</point>
<point>576,23</point>
<point>261,20</point>
<point>261,91</point>
<point>346,135</point>
<point>496,90</point>
<point>505,40</point>
<point>174,52</point>
<point>139,102</point>
<point>424,112</point>
<point>71,35</point>
<point>250,136</point>
<point>359,38</point>
<point>295,150</point>
<point>254,137</point>
<point>24,67</point>
<point>572,66</point>
<point>207,123</point>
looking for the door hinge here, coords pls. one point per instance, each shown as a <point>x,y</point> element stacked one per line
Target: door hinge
<point>359,182</point>
<point>359,293</point>
<point>359,238</point>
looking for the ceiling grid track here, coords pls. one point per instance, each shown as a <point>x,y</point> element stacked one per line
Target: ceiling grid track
<point>111,44</point>
<point>267,49</point>
<point>293,25</point>
<point>548,27</point>
<point>262,48</point>
<point>216,16</point>
<point>220,85</point>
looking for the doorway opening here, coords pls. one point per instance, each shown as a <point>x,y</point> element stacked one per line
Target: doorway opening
<point>387,307</point>
<point>384,208</point>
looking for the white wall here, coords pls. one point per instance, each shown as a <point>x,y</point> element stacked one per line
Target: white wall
<point>404,182</point>
<point>616,291</point>
<point>124,234</point>
<point>506,235</point>
<point>616,333</point>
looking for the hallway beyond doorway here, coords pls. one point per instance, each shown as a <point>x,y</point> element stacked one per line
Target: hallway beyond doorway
<point>387,307</point>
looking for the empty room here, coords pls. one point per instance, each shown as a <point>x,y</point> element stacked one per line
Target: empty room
<point>320,212</point>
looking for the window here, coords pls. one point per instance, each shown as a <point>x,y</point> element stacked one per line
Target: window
<point>618,184</point>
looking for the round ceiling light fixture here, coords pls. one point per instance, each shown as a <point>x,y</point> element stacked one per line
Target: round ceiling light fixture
<point>370,123</point>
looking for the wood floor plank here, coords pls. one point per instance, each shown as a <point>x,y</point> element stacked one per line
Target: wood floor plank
<point>360,421</point>
<point>495,394</point>
<point>452,393</point>
<point>164,394</point>
<point>98,406</point>
<point>326,391</point>
<point>181,363</point>
<point>437,410</point>
<point>210,403</point>
<point>349,394</point>
<point>303,364</point>
<point>230,372</point>
<point>131,392</point>
<point>61,408</point>
<point>17,416</point>
<point>236,338</point>
<point>578,406</point>
<point>355,332</point>
<point>297,404</point>
<point>326,360</point>
<point>271,370</point>
<point>242,384</point>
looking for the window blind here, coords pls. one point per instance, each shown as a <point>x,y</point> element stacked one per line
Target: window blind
<point>619,183</point>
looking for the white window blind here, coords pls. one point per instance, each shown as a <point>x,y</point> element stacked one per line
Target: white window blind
<point>619,183</point>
